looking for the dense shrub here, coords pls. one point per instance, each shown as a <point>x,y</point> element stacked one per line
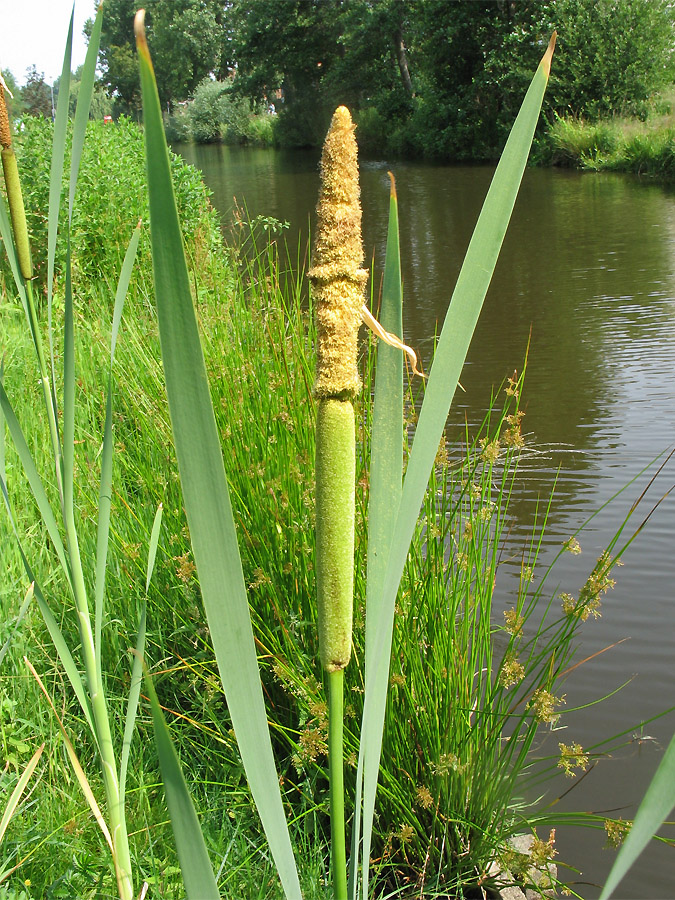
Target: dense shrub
<point>112,197</point>
<point>216,114</point>
<point>207,112</point>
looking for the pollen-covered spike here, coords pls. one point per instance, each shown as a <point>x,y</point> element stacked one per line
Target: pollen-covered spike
<point>337,278</point>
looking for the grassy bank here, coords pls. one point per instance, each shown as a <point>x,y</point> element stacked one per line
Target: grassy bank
<point>613,145</point>
<point>476,660</point>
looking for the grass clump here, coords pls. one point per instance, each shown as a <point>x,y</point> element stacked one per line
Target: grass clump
<point>613,145</point>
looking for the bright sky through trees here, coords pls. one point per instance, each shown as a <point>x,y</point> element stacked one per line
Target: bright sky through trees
<point>34,33</point>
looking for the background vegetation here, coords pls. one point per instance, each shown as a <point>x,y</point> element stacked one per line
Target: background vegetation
<point>426,78</point>
<point>259,337</point>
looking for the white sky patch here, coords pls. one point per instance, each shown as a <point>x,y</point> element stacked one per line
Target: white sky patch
<point>34,32</point>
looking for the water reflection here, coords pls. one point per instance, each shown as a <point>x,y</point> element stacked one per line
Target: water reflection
<point>587,270</point>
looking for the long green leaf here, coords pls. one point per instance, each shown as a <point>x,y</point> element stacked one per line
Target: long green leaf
<point>460,321</point>
<point>68,402</point>
<point>19,619</point>
<point>152,546</point>
<point>56,182</point>
<point>83,105</point>
<point>132,703</point>
<point>105,488</point>
<point>195,865</point>
<point>205,492</point>
<point>34,480</point>
<point>386,470</point>
<point>19,788</point>
<point>656,806</point>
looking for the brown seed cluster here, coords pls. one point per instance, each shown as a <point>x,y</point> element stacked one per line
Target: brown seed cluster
<point>337,278</point>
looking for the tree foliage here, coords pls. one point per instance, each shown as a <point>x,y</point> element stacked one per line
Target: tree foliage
<point>614,55</point>
<point>423,77</point>
<point>187,41</point>
<point>440,78</point>
<point>36,95</point>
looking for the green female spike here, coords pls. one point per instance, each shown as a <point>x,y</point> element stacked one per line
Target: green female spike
<point>338,283</point>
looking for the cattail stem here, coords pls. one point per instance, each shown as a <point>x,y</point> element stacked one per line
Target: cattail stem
<point>336,776</point>
<point>17,212</point>
<point>23,252</point>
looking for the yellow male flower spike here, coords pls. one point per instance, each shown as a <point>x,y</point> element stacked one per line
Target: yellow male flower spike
<point>337,277</point>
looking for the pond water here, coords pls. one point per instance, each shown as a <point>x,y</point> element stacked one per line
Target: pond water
<point>587,275</point>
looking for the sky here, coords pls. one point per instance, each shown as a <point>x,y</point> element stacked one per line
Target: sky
<point>33,32</point>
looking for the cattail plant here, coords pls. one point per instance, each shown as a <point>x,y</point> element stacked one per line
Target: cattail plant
<point>338,283</point>
<point>17,210</point>
<point>338,286</point>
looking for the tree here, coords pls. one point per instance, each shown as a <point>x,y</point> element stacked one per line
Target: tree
<point>36,95</point>
<point>612,56</point>
<point>187,41</point>
<point>445,79</point>
<point>319,54</point>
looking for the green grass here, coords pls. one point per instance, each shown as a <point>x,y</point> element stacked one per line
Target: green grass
<point>452,562</point>
<point>614,145</point>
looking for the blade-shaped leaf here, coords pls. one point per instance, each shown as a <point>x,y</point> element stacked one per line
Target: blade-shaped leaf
<point>56,181</point>
<point>152,547</point>
<point>68,402</point>
<point>83,105</point>
<point>75,763</point>
<point>460,321</point>
<point>205,491</point>
<point>105,488</point>
<point>19,788</point>
<point>656,806</point>
<point>123,286</point>
<point>19,619</point>
<point>386,471</point>
<point>193,856</point>
<point>132,703</point>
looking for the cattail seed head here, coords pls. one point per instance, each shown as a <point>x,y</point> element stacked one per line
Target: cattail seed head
<point>337,278</point>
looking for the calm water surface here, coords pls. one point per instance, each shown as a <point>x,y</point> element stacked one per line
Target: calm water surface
<point>588,270</point>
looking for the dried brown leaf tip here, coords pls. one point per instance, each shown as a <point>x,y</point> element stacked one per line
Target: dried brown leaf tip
<point>337,278</point>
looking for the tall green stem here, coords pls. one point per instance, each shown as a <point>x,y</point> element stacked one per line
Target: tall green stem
<point>99,706</point>
<point>336,775</point>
